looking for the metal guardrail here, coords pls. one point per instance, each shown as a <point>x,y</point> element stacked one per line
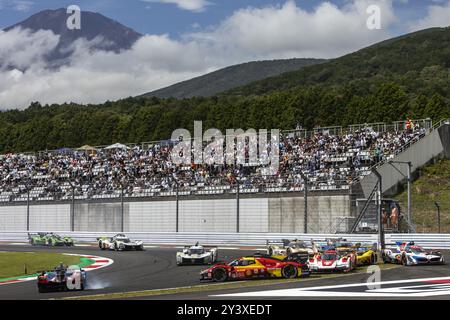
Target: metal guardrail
<point>434,241</point>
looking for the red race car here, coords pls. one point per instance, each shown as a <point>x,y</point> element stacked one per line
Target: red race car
<point>258,266</point>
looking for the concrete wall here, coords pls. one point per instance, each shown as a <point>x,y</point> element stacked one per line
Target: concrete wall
<point>13,218</point>
<point>278,213</point>
<point>99,216</point>
<point>50,217</point>
<point>152,216</point>
<point>218,215</point>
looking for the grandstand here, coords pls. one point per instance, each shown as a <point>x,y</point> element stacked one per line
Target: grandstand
<point>137,187</point>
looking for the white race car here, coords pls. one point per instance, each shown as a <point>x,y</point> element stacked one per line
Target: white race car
<point>294,247</point>
<point>332,261</point>
<point>391,255</point>
<point>197,254</point>
<point>119,242</point>
<point>416,255</point>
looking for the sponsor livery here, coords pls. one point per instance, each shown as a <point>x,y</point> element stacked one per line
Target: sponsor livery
<point>257,266</point>
<point>197,254</point>
<point>332,260</point>
<point>119,242</point>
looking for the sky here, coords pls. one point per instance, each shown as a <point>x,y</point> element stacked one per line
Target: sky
<point>186,38</point>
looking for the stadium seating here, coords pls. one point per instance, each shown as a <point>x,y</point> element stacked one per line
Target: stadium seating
<point>330,162</point>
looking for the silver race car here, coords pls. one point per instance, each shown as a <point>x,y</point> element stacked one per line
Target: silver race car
<point>119,242</point>
<point>197,254</point>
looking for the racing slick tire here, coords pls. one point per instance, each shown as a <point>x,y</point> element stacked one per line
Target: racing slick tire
<point>270,251</point>
<point>41,289</point>
<point>219,275</point>
<point>373,259</point>
<point>289,271</point>
<point>100,245</point>
<point>404,261</point>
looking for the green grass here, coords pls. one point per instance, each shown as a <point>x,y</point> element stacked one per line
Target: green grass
<point>14,264</point>
<point>432,185</point>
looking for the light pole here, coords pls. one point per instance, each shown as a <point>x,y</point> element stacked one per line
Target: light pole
<point>409,182</point>
<point>379,205</point>
<point>237,205</point>
<point>305,190</point>
<point>438,215</point>
<point>72,209</point>
<point>177,186</point>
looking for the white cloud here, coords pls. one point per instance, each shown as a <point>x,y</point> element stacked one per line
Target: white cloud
<point>155,61</point>
<point>18,5</point>
<point>437,16</point>
<point>191,5</point>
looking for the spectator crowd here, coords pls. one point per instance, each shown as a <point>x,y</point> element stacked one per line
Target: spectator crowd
<point>333,160</point>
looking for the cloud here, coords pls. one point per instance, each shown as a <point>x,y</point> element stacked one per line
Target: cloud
<point>155,61</point>
<point>290,31</point>
<point>18,5</point>
<point>437,16</point>
<point>190,5</point>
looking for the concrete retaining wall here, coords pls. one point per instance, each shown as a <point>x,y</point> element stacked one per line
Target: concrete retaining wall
<point>282,214</point>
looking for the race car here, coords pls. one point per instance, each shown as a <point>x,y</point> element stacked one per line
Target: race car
<point>255,267</point>
<point>332,260</point>
<point>415,255</point>
<point>119,242</point>
<point>366,254</point>
<point>391,255</point>
<point>49,239</point>
<point>62,278</point>
<point>295,250</point>
<point>197,254</point>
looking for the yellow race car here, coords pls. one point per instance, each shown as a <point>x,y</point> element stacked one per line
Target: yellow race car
<point>366,254</point>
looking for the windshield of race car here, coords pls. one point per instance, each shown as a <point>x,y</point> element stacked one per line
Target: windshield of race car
<point>416,250</point>
<point>329,256</point>
<point>297,245</point>
<point>196,251</point>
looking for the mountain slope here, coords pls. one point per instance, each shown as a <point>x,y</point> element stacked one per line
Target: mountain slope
<point>113,36</point>
<point>413,56</point>
<point>231,77</point>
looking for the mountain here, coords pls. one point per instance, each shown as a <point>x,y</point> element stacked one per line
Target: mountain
<point>113,36</point>
<point>231,77</point>
<point>403,77</point>
<point>409,59</point>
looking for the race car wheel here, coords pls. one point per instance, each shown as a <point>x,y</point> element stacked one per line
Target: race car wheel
<point>289,271</point>
<point>219,275</point>
<point>115,247</point>
<point>42,289</point>
<point>270,251</point>
<point>404,260</point>
<point>372,259</point>
<point>100,245</point>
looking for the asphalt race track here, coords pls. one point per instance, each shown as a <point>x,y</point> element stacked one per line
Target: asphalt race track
<point>155,268</point>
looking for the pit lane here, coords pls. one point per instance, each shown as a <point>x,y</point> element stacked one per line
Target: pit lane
<point>155,269</point>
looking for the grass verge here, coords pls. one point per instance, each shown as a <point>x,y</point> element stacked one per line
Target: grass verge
<point>20,264</point>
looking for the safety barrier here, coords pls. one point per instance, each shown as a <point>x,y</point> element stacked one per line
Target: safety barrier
<point>438,241</point>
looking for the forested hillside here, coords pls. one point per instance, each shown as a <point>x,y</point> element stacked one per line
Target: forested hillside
<point>408,76</point>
